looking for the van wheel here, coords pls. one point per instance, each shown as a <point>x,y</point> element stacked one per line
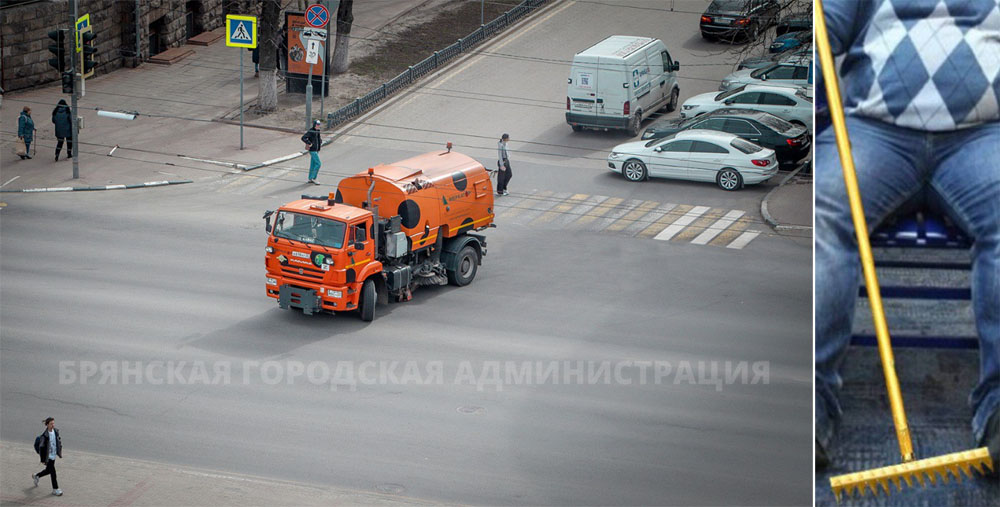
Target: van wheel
<point>672,106</point>
<point>634,170</point>
<point>366,303</point>
<point>729,179</point>
<point>465,268</point>
<point>576,128</point>
<point>633,124</point>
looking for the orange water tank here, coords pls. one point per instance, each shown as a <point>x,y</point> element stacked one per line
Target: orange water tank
<point>438,193</point>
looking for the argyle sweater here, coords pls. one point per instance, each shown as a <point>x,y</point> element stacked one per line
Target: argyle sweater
<point>931,65</point>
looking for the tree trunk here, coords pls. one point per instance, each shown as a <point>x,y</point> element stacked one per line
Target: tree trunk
<point>267,43</point>
<point>345,17</point>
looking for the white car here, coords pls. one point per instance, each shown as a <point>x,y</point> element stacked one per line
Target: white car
<point>697,155</point>
<point>789,103</point>
<point>792,72</point>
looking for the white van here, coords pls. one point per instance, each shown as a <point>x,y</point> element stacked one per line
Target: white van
<point>620,81</point>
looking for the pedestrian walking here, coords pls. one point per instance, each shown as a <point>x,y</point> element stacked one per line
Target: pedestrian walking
<point>503,165</point>
<point>62,117</point>
<point>255,56</point>
<point>49,448</point>
<point>313,143</point>
<point>26,131</point>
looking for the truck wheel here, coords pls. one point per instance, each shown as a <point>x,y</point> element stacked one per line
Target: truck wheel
<point>465,268</point>
<point>633,125</point>
<point>576,128</point>
<point>366,303</point>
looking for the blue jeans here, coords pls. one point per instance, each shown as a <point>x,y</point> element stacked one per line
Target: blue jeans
<point>961,170</point>
<point>314,164</point>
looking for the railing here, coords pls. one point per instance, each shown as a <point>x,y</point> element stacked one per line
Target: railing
<point>439,58</point>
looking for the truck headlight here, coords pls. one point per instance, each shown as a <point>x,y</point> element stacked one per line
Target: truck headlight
<point>272,281</point>
<point>268,249</point>
<point>328,260</point>
<point>334,293</point>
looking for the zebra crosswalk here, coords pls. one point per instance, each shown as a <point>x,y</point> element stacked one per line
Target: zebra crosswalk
<point>678,223</point>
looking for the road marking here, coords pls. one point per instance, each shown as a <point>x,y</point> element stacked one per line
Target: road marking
<point>649,225</point>
<point>540,206</point>
<point>681,223</point>
<point>719,226</point>
<point>524,203</point>
<point>10,180</point>
<point>632,216</point>
<point>560,208</point>
<point>597,211</point>
<point>701,224</point>
<point>580,210</point>
<point>731,233</point>
<point>743,239</point>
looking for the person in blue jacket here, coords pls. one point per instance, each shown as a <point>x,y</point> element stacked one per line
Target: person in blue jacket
<point>922,102</point>
<point>26,130</point>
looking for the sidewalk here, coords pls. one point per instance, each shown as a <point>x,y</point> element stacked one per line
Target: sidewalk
<point>790,205</point>
<point>178,108</point>
<point>95,479</point>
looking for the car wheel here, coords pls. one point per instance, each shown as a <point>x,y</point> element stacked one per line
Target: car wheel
<point>366,306</point>
<point>465,269</point>
<point>633,124</point>
<point>729,179</point>
<point>674,95</point>
<point>634,170</point>
<point>577,128</point>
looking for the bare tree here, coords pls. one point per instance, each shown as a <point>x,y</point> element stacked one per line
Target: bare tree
<point>345,18</point>
<point>268,41</point>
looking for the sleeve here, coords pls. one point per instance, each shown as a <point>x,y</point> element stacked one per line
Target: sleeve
<point>20,126</point>
<point>842,21</point>
<point>306,138</point>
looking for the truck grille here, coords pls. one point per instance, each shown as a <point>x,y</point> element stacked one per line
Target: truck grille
<point>313,275</point>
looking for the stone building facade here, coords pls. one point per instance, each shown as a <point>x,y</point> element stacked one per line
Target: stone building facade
<point>163,24</point>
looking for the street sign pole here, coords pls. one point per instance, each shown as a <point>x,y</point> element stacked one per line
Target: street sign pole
<point>317,17</point>
<point>241,98</point>
<point>309,99</point>
<point>76,120</point>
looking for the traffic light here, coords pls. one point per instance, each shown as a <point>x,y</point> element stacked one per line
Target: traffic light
<point>58,49</point>
<point>89,50</point>
<point>67,82</point>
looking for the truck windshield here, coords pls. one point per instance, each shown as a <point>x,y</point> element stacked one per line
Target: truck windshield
<point>310,229</point>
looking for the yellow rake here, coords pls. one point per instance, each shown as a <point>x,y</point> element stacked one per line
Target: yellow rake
<point>932,470</point>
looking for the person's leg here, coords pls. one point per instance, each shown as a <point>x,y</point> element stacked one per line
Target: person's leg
<point>59,143</point>
<point>967,183</point>
<point>55,482</point>
<point>69,147</point>
<point>27,148</point>
<point>313,164</point>
<point>888,163</point>
<point>47,471</point>
<point>509,174</point>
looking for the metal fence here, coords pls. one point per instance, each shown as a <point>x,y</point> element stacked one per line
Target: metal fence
<point>439,58</point>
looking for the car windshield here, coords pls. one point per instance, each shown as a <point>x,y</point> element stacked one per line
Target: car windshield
<point>802,95</point>
<point>745,146</point>
<point>725,95</point>
<point>776,124</point>
<point>759,72</point>
<point>310,229</point>
<point>661,140</point>
<point>727,5</point>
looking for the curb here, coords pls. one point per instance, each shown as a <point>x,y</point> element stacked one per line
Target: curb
<point>147,184</point>
<point>767,216</point>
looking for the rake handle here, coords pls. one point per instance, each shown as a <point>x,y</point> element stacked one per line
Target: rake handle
<point>861,230</point>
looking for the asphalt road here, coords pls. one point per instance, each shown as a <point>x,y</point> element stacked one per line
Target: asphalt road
<point>177,275</point>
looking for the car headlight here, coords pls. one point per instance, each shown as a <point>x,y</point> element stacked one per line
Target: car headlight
<point>272,281</point>
<point>268,249</point>
<point>334,293</point>
<point>614,155</point>
<point>687,107</point>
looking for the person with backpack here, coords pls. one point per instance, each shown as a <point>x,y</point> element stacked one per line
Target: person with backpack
<point>313,143</point>
<point>63,120</point>
<point>48,445</point>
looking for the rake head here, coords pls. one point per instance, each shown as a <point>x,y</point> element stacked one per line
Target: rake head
<point>923,471</point>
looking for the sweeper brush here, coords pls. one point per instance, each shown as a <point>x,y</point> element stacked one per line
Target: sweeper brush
<point>930,470</point>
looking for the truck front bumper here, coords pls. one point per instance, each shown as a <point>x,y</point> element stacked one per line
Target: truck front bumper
<point>311,299</point>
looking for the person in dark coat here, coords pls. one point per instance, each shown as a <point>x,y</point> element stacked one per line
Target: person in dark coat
<point>49,449</point>
<point>255,56</point>
<point>62,117</point>
<point>313,144</point>
<point>26,130</point>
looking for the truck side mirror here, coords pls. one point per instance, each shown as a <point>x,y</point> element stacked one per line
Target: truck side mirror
<point>359,245</point>
<point>267,223</point>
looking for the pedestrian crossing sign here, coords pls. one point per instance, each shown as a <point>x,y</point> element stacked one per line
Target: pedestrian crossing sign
<point>241,31</point>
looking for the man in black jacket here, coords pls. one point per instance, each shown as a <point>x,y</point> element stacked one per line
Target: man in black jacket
<point>313,143</point>
<point>49,449</point>
<point>63,120</point>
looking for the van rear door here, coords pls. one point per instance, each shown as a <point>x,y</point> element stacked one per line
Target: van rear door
<point>583,89</point>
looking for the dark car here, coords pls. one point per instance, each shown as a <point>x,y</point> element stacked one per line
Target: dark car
<point>790,142</point>
<point>791,41</point>
<point>731,20</point>
<point>793,24</point>
<point>758,62</point>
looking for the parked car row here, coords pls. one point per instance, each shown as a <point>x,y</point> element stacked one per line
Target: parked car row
<point>760,120</point>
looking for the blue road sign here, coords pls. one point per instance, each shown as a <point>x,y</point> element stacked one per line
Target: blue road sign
<point>241,31</point>
<point>317,16</point>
